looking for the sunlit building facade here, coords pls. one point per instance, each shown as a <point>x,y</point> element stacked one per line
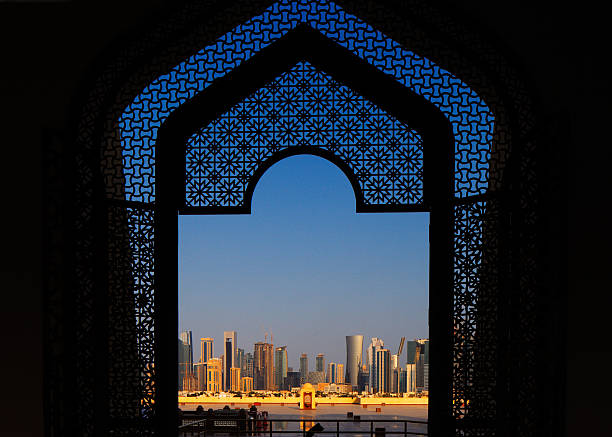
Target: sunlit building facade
<point>235,379</point>
<point>376,344</point>
<point>331,373</point>
<point>214,375</point>
<point>263,366</point>
<point>280,367</point>
<point>206,349</point>
<point>340,373</point>
<point>354,352</point>
<point>411,378</point>
<point>383,370</point>
<point>247,384</point>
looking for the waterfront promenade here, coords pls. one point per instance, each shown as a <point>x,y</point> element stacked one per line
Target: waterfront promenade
<point>289,400</point>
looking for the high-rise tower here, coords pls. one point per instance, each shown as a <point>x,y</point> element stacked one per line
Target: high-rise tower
<point>320,363</point>
<point>383,370</point>
<point>206,349</point>
<point>230,349</point>
<point>185,358</point>
<point>354,351</point>
<point>263,366</point>
<point>375,345</point>
<point>280,367</point>
<point>331,373</point>
<point>303,368</point>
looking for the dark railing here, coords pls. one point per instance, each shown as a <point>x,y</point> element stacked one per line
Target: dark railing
<point>265,427</point>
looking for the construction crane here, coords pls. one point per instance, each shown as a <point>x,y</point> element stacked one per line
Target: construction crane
<point>401,346</point>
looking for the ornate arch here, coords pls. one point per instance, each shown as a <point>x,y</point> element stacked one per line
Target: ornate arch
<point>115,219</point>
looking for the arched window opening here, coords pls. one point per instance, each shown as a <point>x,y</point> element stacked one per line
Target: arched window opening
<point>193,131</point>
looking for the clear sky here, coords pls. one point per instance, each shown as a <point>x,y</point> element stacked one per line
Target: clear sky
<point>305,267</point>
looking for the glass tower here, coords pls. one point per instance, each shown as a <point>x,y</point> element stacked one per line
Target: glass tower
<point>354,351</point>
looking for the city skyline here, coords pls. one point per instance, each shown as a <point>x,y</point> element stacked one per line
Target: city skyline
<point>267,367</point>
<point>303,252</point>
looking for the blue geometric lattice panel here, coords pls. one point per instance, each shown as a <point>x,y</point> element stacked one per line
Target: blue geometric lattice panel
<point>470,117</point>
<point>304,107</point>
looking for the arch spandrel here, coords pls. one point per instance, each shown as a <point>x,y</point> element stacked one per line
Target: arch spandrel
<point>304,108</point>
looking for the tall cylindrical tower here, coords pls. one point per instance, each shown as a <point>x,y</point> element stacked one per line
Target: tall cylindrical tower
<point>354,348</point>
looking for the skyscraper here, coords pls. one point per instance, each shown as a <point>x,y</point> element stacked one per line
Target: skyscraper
<point>185,359</point>
<point>240,360</point>
<point>280,367</point>
<point>263,366</point>
<point>213,375</point>
<point>303,368</point>
<point>383,368</point>
<point>375,345</point>
<point>186,337</point>
<point>422,364</point>
<point>206,349</point>
<point>394,372</point>
<point>417,353</point>
<point>235,379</point>
<point>411,351</point>
<point>331,373</point>
<point>230,347</point>
<point>320,363</point>
<point>354,351</point>
<point>410,378</point>
<point>248,365</point>
<point>340,373</point>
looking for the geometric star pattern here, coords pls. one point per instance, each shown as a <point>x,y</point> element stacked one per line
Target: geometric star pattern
<point>304,107</point>
<point>471,119</point>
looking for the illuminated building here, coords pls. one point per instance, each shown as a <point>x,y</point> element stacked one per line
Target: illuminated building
<point>263,366</point>
<point>340,374</point>
<point>206,349</point>
<point>411,378</point>
<point>247,384</point>
<point>235,379</point>
<point>383,369</point>
<point>331,373</point>
<point>213,375</point>
<point>375,345</point>
<point>394,373</point>
<point>354,350</point>
<point>280,367</point>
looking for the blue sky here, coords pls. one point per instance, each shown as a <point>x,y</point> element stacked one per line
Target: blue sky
<point>305,267</point>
